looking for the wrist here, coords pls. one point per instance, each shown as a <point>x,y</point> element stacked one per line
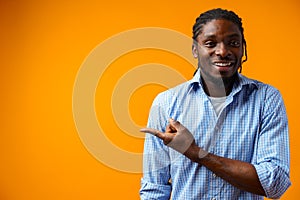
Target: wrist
<point>195,153</point>
<point>202,153</point>
<point>192,152</point>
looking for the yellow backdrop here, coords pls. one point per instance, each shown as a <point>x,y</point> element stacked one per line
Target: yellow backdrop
<point>43,46</point>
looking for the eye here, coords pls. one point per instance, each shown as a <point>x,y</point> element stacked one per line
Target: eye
<point>235,43</point>
<point>210,44</point>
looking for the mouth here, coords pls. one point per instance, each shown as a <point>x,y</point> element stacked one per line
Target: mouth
<point>223,65</point>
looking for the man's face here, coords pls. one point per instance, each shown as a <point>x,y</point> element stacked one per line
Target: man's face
<point>219,50</point>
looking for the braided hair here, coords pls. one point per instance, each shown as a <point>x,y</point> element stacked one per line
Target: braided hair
<point>219,13</point>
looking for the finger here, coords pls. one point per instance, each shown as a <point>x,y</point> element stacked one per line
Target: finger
<point>154,132</point>
<point>174,124</point>
<point>170,129</point>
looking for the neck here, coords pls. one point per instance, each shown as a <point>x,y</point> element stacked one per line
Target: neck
<point>218,87</point>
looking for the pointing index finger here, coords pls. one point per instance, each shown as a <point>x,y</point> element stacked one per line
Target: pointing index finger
<point>152,131</point>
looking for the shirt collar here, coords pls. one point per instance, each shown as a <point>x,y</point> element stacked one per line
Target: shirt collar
<point>196,82</point>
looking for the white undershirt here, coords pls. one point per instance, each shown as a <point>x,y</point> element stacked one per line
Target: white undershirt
<point>218,103</point>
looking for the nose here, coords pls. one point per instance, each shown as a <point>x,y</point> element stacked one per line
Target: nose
<point>222,50</point>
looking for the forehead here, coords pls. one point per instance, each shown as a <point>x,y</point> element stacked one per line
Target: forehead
<point>219,28</point>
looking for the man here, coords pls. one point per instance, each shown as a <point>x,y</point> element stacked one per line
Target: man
<point>219,135</point>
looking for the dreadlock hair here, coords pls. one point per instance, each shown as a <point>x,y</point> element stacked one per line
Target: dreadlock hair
<point>219,13</point>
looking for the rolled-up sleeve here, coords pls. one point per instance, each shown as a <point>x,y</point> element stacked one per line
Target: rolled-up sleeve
<point>154,191</point>
<point>156,162</point>
<point>273,157</point>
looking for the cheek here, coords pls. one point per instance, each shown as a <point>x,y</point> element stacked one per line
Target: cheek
<point>204,58</point>
<point>204,53</point>
<point>241,52</point>
<point>205,64</point>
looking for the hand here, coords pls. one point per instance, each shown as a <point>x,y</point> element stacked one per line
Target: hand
<point>176,136</point>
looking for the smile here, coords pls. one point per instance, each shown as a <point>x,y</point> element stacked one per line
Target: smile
<point>223,64</point>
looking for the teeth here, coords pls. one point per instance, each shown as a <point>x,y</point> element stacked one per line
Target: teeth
<point>223,64</point>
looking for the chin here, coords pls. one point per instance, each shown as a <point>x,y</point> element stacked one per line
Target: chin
<point>229,76</point>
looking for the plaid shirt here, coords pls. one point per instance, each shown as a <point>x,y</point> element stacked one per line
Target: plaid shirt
<point>252,127</point>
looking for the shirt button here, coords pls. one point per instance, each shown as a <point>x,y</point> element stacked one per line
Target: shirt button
<point>214,175</point>
<point>213,198</point>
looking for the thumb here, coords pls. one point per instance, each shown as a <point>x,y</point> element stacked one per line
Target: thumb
<point>174,123</point>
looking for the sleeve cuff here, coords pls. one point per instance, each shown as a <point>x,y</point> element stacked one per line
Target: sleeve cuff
<point>273,180</point>
<point>154,191</point>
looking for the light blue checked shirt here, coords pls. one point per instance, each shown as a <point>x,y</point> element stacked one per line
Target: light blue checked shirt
<point>252,128</point>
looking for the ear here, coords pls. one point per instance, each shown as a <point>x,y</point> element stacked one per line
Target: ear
<point>194,50</point>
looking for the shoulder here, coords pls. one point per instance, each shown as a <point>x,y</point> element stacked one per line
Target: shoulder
<point>267,96</point>
<point>263,88</point>
<point>264,96</point>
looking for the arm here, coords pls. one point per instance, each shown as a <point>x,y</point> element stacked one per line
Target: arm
<point>240,174</point>
<point>156,161</point>
<point>272,158</point>
<point>155,182</point>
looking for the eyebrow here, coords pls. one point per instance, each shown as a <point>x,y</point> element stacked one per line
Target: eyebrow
<point>211,35</point>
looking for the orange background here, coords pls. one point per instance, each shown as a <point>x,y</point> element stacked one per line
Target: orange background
<point>43,44</point>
